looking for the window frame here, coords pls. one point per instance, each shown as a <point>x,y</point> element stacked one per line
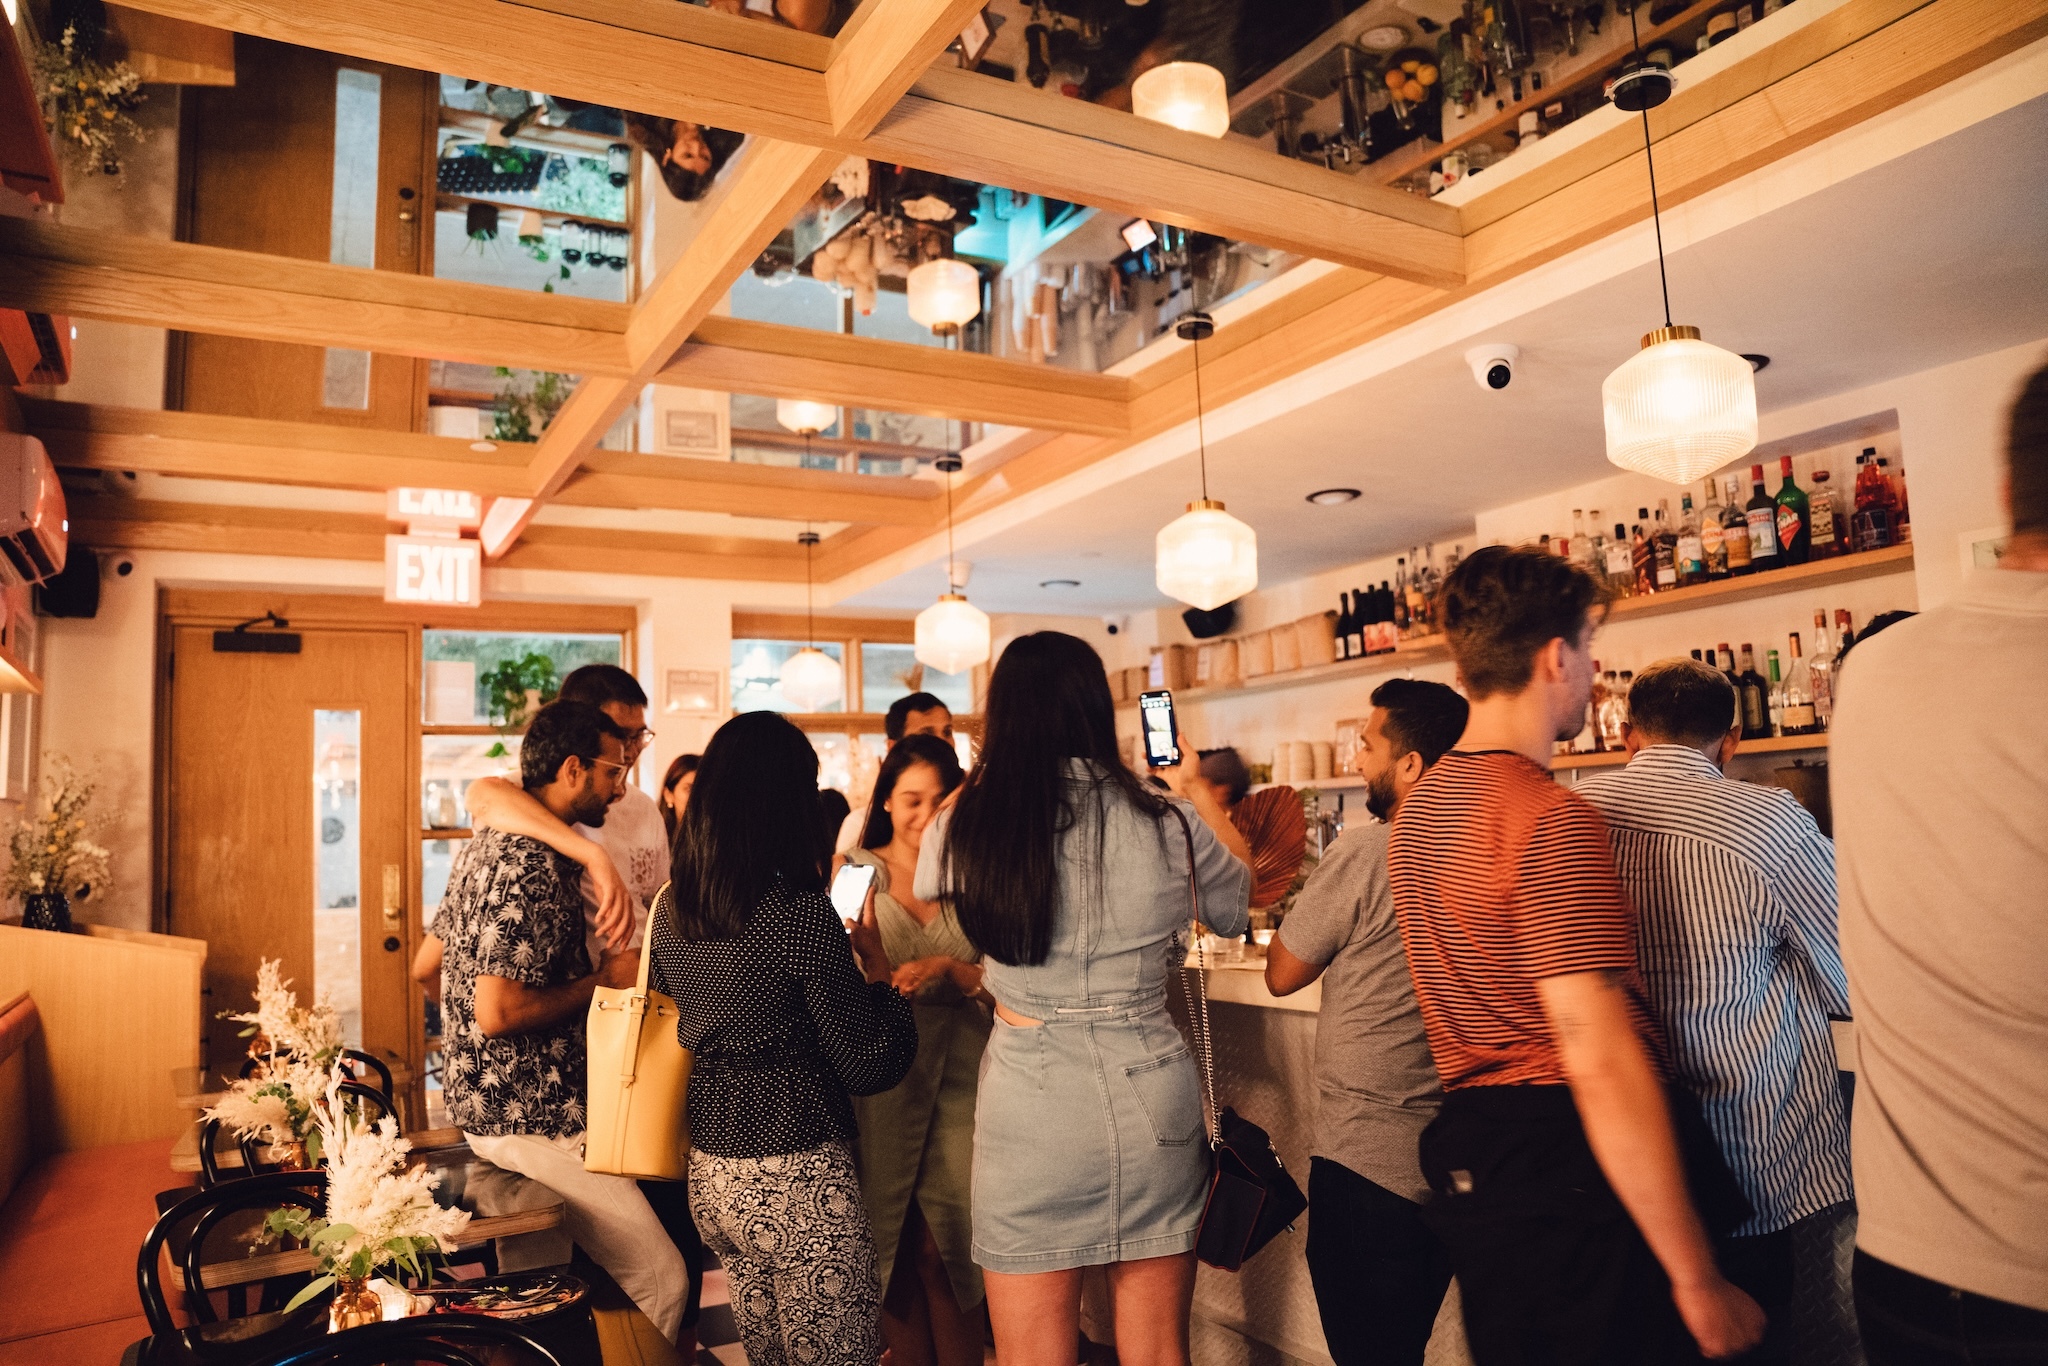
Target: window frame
<point>849,633</point>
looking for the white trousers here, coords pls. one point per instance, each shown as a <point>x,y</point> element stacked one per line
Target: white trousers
<point>607,1216</point>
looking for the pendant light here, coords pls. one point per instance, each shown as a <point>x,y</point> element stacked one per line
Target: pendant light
<point>1205,557</point>
<point>804,416</point>
<point>1186,95</point>
<point>944,294</point>
<point>1678,409</point>
<point>811,678</point>
<point>952,634</point>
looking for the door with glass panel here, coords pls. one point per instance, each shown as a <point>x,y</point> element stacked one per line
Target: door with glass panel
<point>290,826</point>
<point>320,158</point>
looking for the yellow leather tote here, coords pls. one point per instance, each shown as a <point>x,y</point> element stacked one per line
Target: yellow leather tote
<point>639,1077</point>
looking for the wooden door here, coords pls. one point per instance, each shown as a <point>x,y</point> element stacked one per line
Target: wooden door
<point>292,826</point>
<point>259,173</point>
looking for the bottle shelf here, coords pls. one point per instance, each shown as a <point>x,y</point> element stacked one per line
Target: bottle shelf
<point>1421,650</point>
<point>1866,564</point>
<point>1770,744</point>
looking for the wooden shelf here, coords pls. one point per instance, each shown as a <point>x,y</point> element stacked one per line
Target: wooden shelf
<point>1843,569</point>
<point>1423,650</point>
<point>571,140</point>
<point>459,203</point>
<point>1405,161</point>
<point>1773,744</point>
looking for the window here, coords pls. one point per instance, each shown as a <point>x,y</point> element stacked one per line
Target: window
<point>888,671</point>
<point>757,674</point>
<point>467,673</point>
<point>352,218</point>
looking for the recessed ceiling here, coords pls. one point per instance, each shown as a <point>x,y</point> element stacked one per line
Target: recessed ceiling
<point>1933,257</point>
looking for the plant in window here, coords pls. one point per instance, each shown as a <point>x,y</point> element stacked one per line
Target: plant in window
<point>517,688</point>
<point>88,104</point>
<point>523,414</point>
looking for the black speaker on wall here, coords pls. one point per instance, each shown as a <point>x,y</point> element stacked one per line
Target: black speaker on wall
<point>1207,625</point>
<point>74,590</point>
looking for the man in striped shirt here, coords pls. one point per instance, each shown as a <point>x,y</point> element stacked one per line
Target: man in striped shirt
<point>1734,885</point>
<point>1571,1187</point>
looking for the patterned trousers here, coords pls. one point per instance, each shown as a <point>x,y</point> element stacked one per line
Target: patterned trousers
<point>799,1256</point>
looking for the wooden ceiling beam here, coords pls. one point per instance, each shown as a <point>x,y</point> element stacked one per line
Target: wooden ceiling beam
<point>739,356</point>
<point>621,479</point>
<point>871,63</point>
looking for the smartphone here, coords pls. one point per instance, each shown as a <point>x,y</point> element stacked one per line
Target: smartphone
<point>1162,737</point>
<point>850,889</point>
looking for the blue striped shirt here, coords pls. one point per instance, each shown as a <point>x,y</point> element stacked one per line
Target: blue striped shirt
<point>1735,887</point>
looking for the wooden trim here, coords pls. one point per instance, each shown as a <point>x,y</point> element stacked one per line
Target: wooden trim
<point>1767,744</point>
<point>209,607</point>
<point>885,46</point>
<point>625,479</point>
<point>1867,564</point>
<point>793,626</point>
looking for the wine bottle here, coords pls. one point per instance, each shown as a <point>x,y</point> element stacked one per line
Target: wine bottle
<point>1794,515</point>
<point>1343,625</point>
<point>1354,631</point>
<point>1761,513</point>
<point>1755,693</point>
<point>1774,703</point>
<point>1799,715</point>
<point>1713,549</point>
<point>1401,618</point>
<point>1735,530</point>
<point>1691,553</point>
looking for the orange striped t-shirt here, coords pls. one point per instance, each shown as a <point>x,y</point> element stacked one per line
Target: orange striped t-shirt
<point>1502,878</point>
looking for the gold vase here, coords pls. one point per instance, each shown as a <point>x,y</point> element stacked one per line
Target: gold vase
<point>291,1157</point>
<point>354,1305</point>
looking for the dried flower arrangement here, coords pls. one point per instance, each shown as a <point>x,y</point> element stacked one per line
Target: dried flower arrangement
<point>52,851</point>
<point>299,1047</point>
<point>88,104</point>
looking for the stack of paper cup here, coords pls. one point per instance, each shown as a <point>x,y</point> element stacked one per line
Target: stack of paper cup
<point>1280,764</point>
<point>1325,760</point>
<point>1301,762</point>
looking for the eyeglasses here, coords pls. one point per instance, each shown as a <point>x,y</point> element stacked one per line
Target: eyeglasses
<point>612,763</point>
<point>642,737</point>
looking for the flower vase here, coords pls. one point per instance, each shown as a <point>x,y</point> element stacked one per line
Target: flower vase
<point>46,911</point>
<point>291,1157</point>
<point>354,1304</point>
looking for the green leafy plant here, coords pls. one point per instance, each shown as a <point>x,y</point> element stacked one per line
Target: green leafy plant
<point>506,687</point>
<point>523,414</point>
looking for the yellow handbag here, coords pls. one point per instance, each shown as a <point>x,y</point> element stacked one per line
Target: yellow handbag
<point>639,1077</point>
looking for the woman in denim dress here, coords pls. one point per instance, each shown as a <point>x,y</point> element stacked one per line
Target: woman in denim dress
<point>1070,873</point>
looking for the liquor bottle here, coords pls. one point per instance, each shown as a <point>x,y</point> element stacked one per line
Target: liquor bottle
<point>1871,524</point>
<point>1902,519</point>
<point>1354,633</point>
<point>1735,530</point>
<point>1794,517</point>
<point>1664,548</point>
<point>1755,692</point>
<point>1596,545</point>
<point>1761,512</point>
<point>1620,564</point>
<point>1640,555</point>
<point>1343,625</point>
<point>1799,715</point>
<point>1587,741</point>
<point>1582,548</point>
<point>1844,637</point>
<point>1775,698</point>
<point>1713,549</point>
<point>1389,637</point>
<point>1691,554</point>
<point>1401,618</point>
<point>1825,541</point>
<point>1611,711</point>
<point>1822,669</point>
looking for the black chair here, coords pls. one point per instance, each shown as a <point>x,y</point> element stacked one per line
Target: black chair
<point>358,1062</point>
<point>445,1339</point>
<point>192,1220</point>
<point>364,1098</point>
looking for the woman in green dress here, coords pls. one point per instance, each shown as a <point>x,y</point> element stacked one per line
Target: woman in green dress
<point>916,1146</point>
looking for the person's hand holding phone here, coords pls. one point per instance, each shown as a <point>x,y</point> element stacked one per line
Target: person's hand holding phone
<point>866,937</point>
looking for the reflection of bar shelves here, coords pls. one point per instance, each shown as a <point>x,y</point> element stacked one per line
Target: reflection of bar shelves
<point>574,141</point>
<point>1770,744</point>
<point>554,218</point>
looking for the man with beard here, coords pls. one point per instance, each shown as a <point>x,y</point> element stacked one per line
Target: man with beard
<point>1379,1273</point>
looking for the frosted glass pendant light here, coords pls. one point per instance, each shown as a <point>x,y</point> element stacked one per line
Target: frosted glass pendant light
<point>811,678</point>
<point>1205,557</point>
<point>951,634</point>
<point>1186,95</point>
<point>803,416</point>
<point>1678,409</point>
<point>944,294</point>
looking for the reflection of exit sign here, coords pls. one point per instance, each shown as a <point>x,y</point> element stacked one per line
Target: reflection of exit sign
<point>454,509</point>
<point>438,570</point>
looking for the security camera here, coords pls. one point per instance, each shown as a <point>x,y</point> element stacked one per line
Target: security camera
<point>1493,364</point>
<point>124,567</point>
<point>1116,625</point>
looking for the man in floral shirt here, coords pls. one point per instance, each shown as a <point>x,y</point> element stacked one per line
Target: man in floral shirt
<point>516,983</point>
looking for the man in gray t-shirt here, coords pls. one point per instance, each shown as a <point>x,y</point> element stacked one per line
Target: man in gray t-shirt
<point>1379,1274</point>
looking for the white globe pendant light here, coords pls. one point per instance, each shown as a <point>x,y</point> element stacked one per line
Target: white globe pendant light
<point>944,294</point>
<point>810,678</point>
<point>952,634</point>
<point>1205,557</point>
<point>805,416</point>
<point>1185,95</point>
<point>1678,409</point>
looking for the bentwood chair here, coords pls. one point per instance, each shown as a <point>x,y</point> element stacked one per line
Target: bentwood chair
<point>359,1064</point>
<point>191,1224</point>
<point>444,1339</point>
<point>366,1100</point>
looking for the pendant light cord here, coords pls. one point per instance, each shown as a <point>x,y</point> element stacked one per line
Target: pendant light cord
<point>810,611</point>
<point>1201,439</point>
<point>1656,219</point>
<point>950,565</point>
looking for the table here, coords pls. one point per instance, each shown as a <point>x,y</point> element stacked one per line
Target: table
<point>227,1153</point>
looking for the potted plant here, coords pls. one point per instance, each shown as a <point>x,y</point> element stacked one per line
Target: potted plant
<point>88,104</point>
<point>298,1049</point>
<point>517,688</point>
<point>54,858</point>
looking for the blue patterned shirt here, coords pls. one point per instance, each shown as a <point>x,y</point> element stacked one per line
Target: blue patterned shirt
<point>1735,887</point>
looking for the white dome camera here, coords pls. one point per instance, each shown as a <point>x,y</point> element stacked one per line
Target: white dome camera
<point>1116,624</point>
<point>1493,364</point>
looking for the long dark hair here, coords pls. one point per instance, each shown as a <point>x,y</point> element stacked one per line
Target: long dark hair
<point>752,820</point>
<point>1048,703</point>
<point>911,749</point>
<point>681,764</point>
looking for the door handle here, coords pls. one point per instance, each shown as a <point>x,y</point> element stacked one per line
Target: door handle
<point>394,896</point>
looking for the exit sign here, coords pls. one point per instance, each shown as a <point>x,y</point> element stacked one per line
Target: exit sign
<point>435,509</point>
<point>440,571</point>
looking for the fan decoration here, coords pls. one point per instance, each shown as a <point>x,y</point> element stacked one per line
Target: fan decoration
<point>1275,826</point>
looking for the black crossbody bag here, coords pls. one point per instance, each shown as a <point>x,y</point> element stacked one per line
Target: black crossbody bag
<point>1252,1198</point>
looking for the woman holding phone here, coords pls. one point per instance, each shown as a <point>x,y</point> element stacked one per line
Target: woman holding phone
<point>916,1145</point>
<point>789,1015</point>
<point>1072,876</point>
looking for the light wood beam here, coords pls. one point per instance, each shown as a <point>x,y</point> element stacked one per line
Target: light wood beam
<point>624,480</point>
<point>871,63</point>
<point>739,356</point>
<point>659,57</point>
<point>48,268</point>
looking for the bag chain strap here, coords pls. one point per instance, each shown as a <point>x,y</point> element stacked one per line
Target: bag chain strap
<point>1198,1018</point>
